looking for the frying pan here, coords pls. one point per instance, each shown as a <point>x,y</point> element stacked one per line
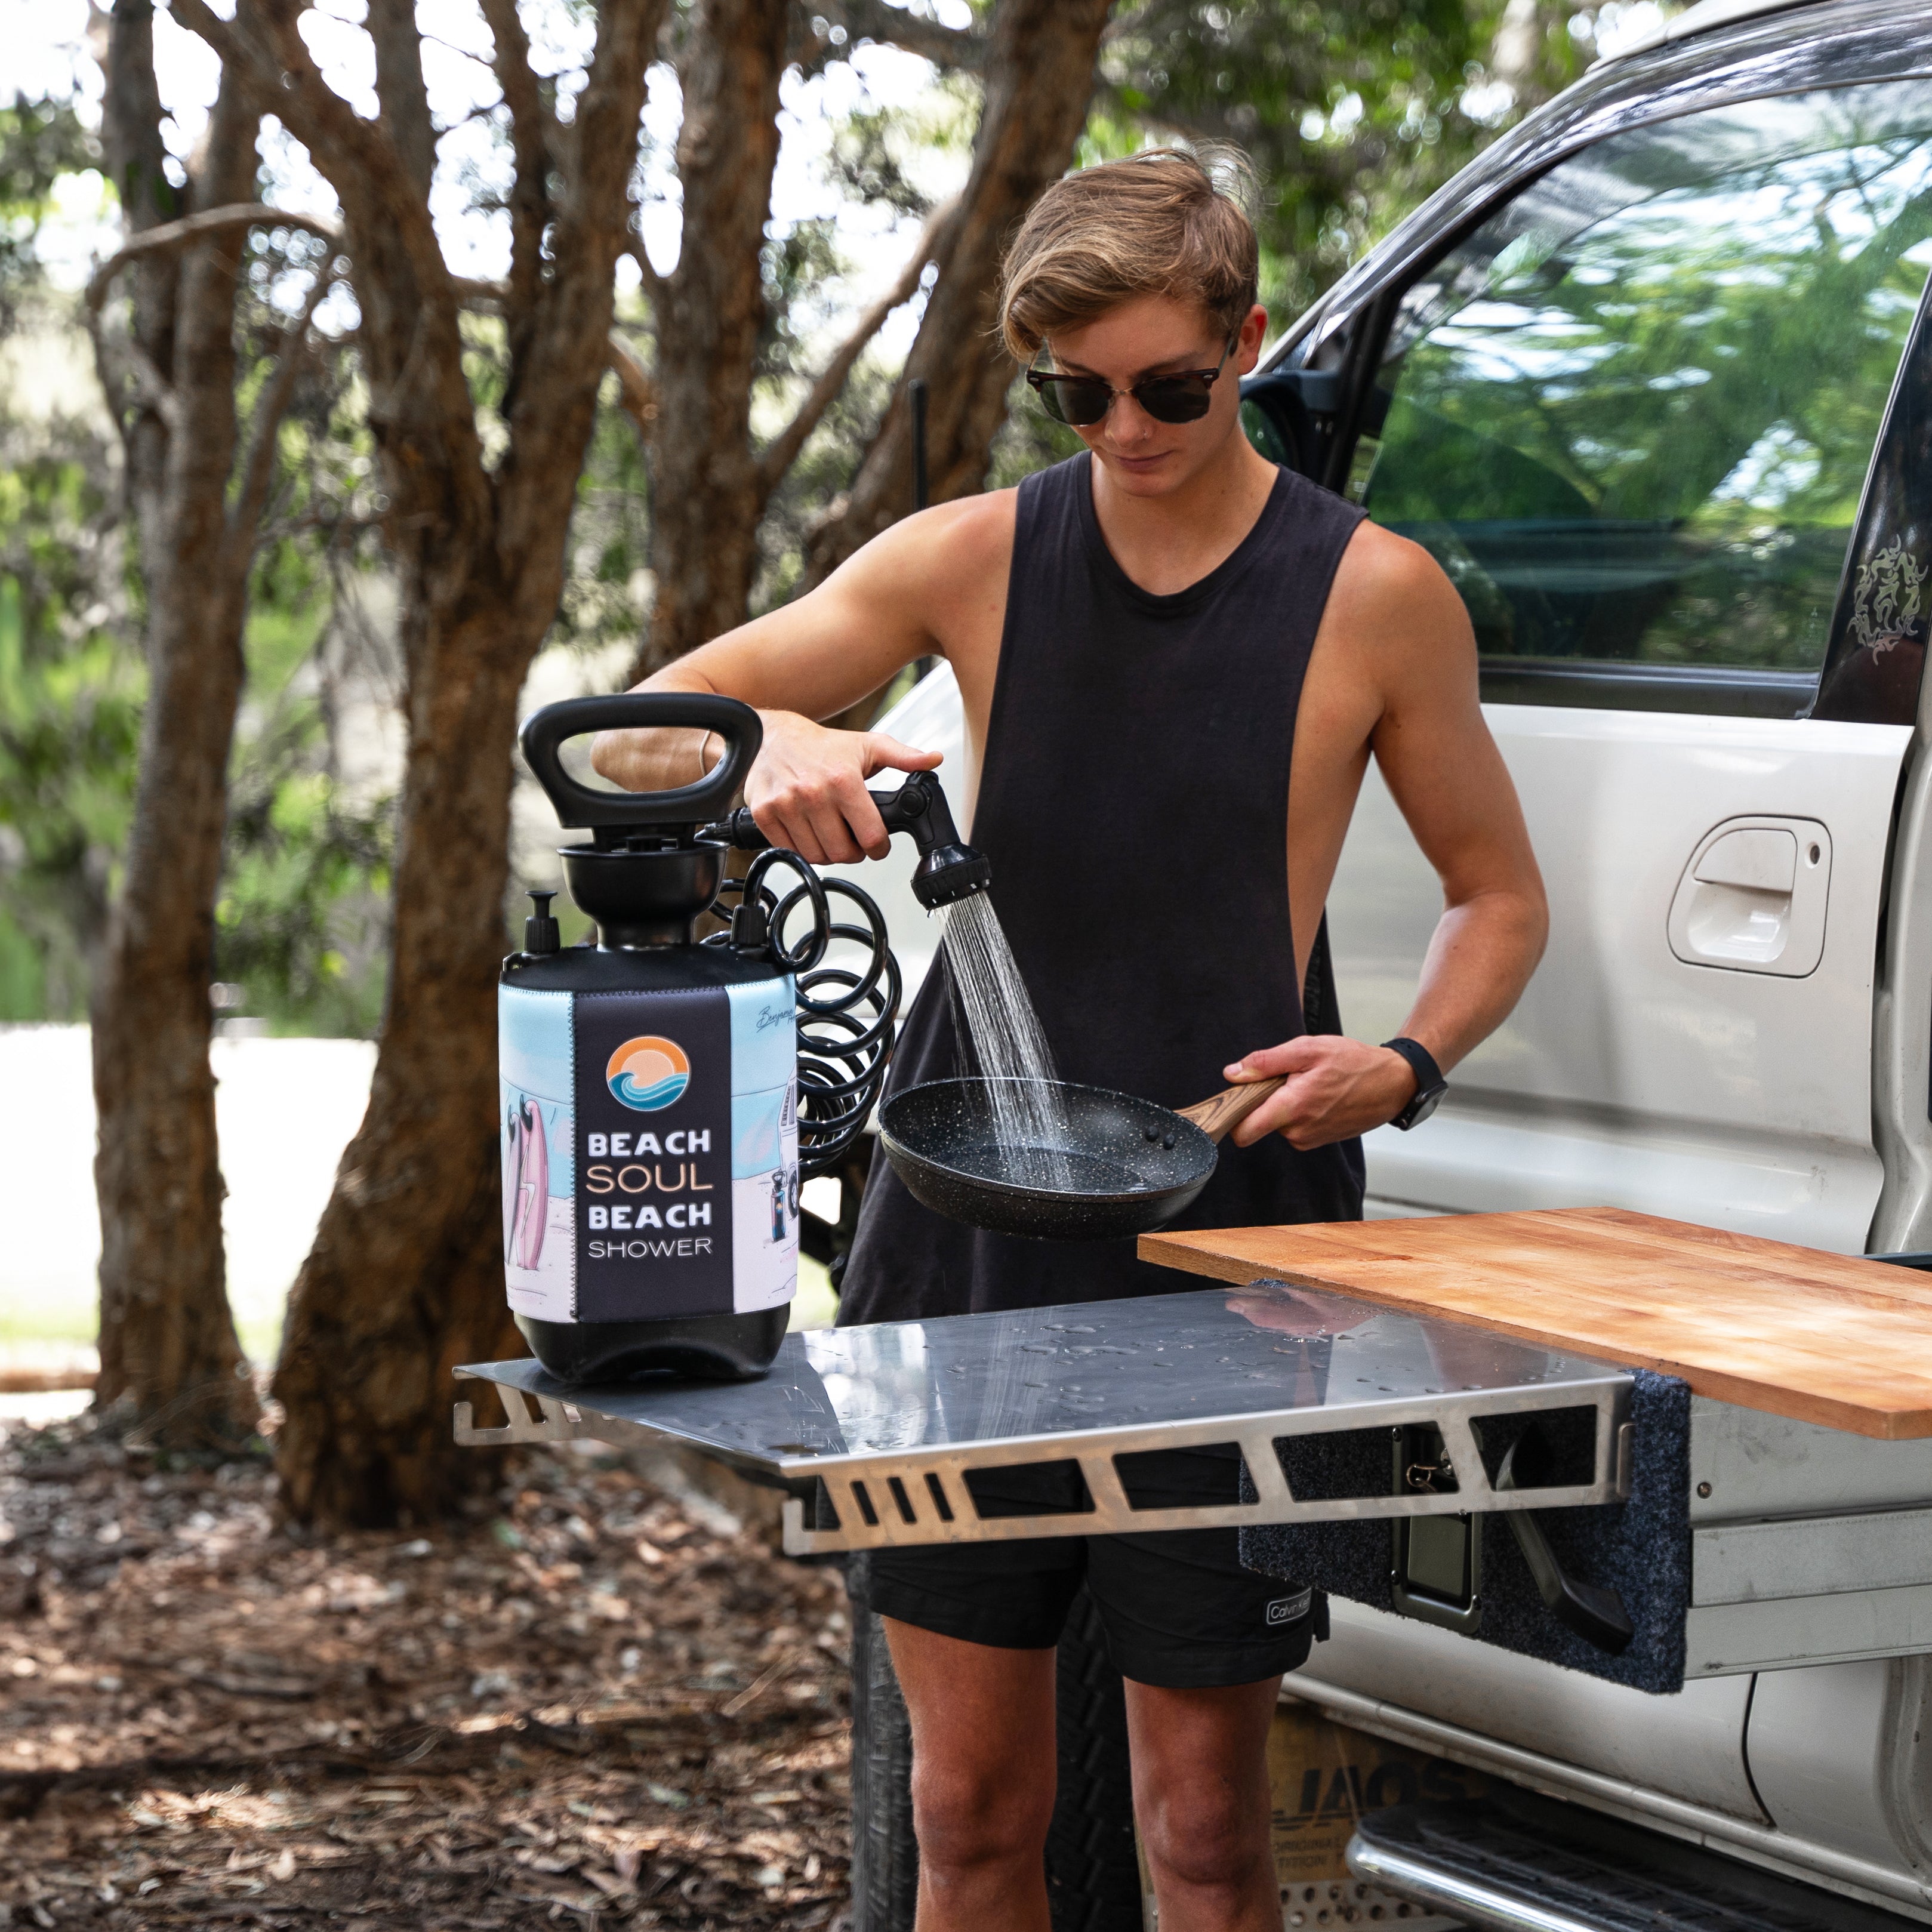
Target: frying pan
<point>1132,1165</point>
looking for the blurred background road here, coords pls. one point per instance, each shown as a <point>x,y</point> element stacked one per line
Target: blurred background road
<point>285,1108</point>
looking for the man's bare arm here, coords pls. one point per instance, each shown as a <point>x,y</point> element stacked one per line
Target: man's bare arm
<point>1446,775</point>
<point>812,659</point>
<point>1449,781</point>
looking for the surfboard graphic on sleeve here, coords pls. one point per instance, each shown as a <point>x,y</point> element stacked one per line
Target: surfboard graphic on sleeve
<point>534,1059</point>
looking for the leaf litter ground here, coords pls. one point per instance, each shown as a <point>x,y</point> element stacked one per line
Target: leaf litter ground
<point>596,1706</point>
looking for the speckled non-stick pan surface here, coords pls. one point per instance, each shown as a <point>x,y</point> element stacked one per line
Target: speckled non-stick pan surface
<point>1135,1166</point>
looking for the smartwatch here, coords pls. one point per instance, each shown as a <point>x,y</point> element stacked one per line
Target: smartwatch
<point>1430,1084</point>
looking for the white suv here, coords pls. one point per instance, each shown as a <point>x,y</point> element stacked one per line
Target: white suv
<point>1651,380</point>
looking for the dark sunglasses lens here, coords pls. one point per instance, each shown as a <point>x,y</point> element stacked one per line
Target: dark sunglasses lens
<point>1075,400</point>
<point>1173,399</point>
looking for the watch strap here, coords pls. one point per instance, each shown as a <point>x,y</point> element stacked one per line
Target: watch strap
<point>1429,1081</point>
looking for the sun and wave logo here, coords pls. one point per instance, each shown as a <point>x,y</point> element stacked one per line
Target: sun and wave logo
<point>648,1073</point>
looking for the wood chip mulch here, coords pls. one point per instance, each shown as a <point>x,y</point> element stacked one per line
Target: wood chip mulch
<point>596,1706</point>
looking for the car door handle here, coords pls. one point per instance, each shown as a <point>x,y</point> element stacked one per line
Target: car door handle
<point>1753,898</point>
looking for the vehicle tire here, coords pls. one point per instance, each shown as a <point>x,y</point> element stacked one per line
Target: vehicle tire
<point>1093,1875</point>
<point>1093,1871</point>
<point>885,1855</point>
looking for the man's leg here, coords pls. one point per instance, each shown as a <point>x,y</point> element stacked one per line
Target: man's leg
<point>1202,1801</point>
<point>1202,1642</point>
<point>982,1778</point>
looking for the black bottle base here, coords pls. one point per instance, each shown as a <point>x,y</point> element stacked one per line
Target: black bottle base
<point>708,1348</point>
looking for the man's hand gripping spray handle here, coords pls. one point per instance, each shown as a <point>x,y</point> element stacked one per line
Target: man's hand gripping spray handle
<point>949,870</point>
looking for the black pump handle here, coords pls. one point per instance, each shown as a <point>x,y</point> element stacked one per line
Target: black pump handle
<point>544,732</point>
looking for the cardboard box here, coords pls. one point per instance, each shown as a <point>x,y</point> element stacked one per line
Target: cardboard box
<point>1324,1776</point>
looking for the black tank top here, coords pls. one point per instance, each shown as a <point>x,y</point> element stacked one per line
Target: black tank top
<point>1134,806</point>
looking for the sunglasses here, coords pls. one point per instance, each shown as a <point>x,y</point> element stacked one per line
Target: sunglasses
<point>1081,401</point>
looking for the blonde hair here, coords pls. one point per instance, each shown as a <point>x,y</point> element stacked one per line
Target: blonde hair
<point>1164,222</point>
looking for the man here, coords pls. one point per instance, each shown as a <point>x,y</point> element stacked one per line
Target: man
<point>1175,662</point>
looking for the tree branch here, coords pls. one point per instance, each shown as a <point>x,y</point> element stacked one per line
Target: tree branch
<point>262,43</point>
<point>150,386</point>
<point>391,25</point>
<point>130,131</point>
<point>130,121</point>
<point>571,322</point>
<point>260,468</point>
<point>1039,78</point>
<point>420,406</point>
<point>531,132</point>
<point>782,452</point>
<point>652,282</point>
<point>173,235</point>
<point>955,48</point>
<point>638,392</point>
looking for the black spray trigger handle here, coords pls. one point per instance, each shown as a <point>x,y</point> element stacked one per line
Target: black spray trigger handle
<point>949,870</point>
<point>918,806</point>
<point>545,732</point>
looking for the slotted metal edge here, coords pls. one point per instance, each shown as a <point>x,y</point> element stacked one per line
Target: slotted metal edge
<point>533,1418</point>
<point>546,1418</point>
<point>883,1498</point>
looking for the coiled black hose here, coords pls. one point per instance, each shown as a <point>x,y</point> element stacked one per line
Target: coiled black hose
<point>847,1019</point>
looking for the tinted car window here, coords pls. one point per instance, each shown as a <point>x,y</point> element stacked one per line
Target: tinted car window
<point>1632,415</point>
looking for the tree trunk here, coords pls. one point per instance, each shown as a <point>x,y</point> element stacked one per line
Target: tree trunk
<point>708,490</point>
<point>1038,78</point>
<point>167,1338</point>
<point>405,1279</point>
<point>707,494</point>
<point>130,131</point>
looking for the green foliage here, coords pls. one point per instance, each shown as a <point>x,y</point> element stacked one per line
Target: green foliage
<point>825,467</point>
<point>869,162</point>
<point>301,925</point>
<point>71,692</point>
<point>606,589</point>
<point>40,141</point>
<point>878,156</point>
<point>69,688</point>
<point>800,273</point>
<point>302,922</point>
<point>881,155</point>
<point>1351,110</point>
<point>1677,397</point>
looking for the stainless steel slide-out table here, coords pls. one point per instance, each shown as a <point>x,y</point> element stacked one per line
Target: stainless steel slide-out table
<point>879,1433</point>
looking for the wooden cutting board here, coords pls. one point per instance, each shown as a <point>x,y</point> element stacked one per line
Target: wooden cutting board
<point>1821,1338</point>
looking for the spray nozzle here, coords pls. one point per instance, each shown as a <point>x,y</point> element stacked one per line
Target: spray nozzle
<point>949,869</point>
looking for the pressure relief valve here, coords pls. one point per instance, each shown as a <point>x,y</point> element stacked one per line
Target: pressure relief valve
<point>540,934</point>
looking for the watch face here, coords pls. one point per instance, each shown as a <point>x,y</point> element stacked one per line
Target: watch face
<point>1419,1109</point>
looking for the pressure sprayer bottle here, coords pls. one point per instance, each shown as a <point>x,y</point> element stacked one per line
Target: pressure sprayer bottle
<point>663,1096</point>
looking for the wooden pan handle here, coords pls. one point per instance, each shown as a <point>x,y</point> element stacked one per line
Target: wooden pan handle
<point>1228,1109</point>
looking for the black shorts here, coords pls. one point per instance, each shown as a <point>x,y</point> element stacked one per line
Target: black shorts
<point>1178,1610</point>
